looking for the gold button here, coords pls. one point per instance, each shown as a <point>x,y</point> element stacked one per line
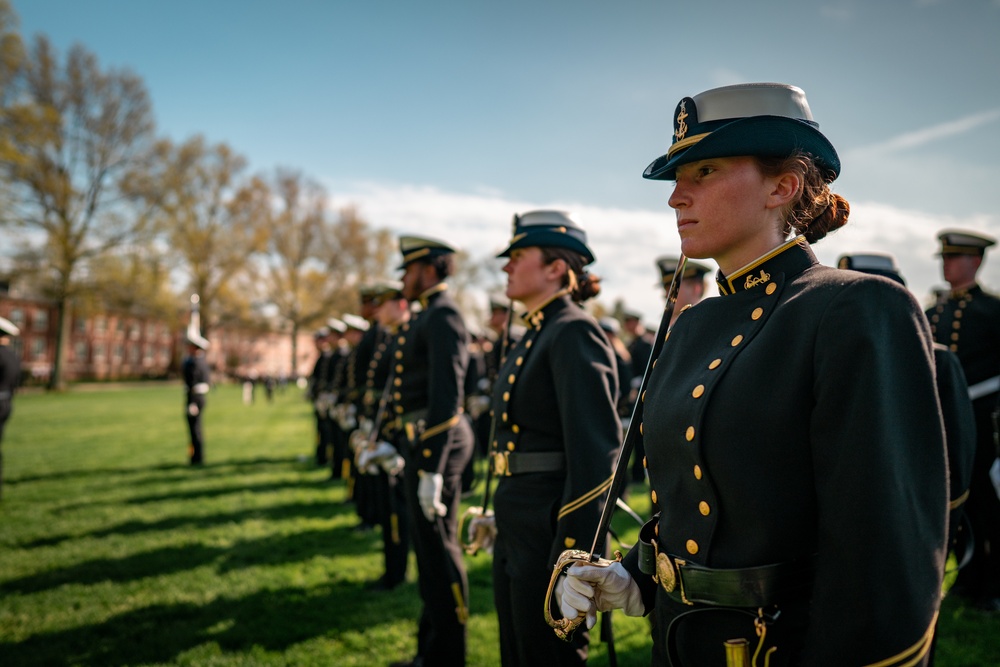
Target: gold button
<point>656,530</point>
<point>689,434</point>
<point>958,313</point>
<point>399,368</point>
<point>770,288</point>
<point>757,312</point>
<point>569,542</point>
<point>400,340</point>
<point>737,340</point>
<point>397,382</point>
<point>510,378</point>
<point>510,446</point>
<point>397,396</point>
<point>953,347</point>
<point>643,399</point>
<point>692,547</point>
<point>506,396</point>
<point>954,336</point>
<point>956,325</point>
<point>519,361</point>
<point>715,364</point>
<point>504,416</point>
<point>515,428</point>
<point>703,508</point>
<point>399,354</point>
<point>399,409</point>
<point>697,472</point>
<point>698,391</point>
<point>427,453</point>
<point>652,494</point>
<point>528,344</point>
<point>640,428</point>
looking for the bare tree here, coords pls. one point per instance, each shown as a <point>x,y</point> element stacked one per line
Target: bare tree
<point>75,132</point>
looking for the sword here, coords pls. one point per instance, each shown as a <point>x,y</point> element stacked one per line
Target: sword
<point>473,547</point>
<point>564,627</point>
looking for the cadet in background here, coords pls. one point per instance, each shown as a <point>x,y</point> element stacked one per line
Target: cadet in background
<point>10,378</point>
<point>966,319</point>
<point>197,378</point>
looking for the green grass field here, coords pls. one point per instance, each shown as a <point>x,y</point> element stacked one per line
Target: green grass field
<point>114,552</point>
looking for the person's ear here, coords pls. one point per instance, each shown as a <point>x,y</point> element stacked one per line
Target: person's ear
<point>785,189</point>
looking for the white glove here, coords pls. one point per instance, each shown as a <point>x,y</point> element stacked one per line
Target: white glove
<point>375,455</point>
<point>484,528</point>
<point>590,589</point>
<point>429,494</point>
<point>392,465</point>
<point>193,409</point>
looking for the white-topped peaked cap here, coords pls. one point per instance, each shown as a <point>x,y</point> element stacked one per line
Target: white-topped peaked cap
<point>420,247</point>
<point>759,119</point>
<point>8,328</point>
<point>548,229</point>
<point>962,242</point>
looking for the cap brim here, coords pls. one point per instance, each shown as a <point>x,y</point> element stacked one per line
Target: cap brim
<point>763,136</point>
<point>547,239</point>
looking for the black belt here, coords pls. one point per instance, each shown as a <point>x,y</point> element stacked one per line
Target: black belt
<point>506,464</point>
<point>689,583</point>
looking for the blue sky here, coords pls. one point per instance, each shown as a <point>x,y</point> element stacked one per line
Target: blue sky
<point>446,117</point>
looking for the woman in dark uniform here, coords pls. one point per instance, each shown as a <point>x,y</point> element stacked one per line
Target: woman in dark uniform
<point>556,432</point>
<point>794,442</point>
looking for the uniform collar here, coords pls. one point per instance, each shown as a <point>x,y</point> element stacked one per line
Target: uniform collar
<point>791,258</point>
<point>537,316</point>
<point>425,298</point>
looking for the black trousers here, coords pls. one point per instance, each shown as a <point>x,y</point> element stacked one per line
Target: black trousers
<point>443,584</point>
<point>196,451</point>
<point>521,573</point>
<point>981,577</point>
<point>394,517</point>
<point>324,438</point>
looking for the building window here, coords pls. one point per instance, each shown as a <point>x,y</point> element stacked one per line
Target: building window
<point>80,325</point>
<point>119,351</point>
<point>17,317</point>
<point>100,324</point>
<point>41,320</point>
<point>80,350</point>
<point>38,348</point>
<point>98,351</point>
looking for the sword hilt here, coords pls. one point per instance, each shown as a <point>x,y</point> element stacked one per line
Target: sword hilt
<point>564,627</point>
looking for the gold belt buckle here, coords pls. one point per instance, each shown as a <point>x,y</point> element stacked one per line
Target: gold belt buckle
<point>500,466</point>
<point>666,572</point>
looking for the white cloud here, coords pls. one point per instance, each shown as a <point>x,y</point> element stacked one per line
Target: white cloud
<point>627,242</point>
<point>930,134</point>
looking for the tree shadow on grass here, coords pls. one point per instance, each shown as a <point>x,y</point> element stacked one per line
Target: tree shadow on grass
<point>274,549</point>
<point>300,510</point>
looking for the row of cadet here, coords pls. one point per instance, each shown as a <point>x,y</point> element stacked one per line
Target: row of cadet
<point>798,431</point>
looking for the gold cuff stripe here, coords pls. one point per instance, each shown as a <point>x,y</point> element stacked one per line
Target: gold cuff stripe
<point>912,655</point>
<point>593,494</point>
<point>440,428</point>
<point>958,502</point>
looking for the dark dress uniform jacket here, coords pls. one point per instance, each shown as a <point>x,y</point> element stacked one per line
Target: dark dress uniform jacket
<point>435,354</point>
<point>556,393</point>
<point>797,415</point>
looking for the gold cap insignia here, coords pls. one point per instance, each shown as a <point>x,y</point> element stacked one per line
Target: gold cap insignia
<point>682,127</point>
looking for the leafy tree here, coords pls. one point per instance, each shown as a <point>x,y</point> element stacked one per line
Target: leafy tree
<point>74,133</point>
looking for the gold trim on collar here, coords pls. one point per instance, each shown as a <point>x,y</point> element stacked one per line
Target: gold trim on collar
<point>684,143</point>
<point>440,287</point>
<point>534,316</point>
<point>743,271</point>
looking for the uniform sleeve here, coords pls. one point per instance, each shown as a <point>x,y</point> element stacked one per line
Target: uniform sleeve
<point>447,363</point>
<point>586,384</point>
<point>879,464</point>
<point>960,431</point>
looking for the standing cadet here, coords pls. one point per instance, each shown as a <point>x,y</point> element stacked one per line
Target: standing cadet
<point>556,432</point>
<point>350,392</point>
<point>692,285</point>
<point>319,394</point>
<point>967,320</point>
<point>378,460</point>
<point>436,440</point>
<point>10,375</point>
<point>794,442</point>
<point>639,349</point>
<point>196,383</point>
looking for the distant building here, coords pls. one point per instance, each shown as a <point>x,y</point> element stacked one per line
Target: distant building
<point>112,346</point>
